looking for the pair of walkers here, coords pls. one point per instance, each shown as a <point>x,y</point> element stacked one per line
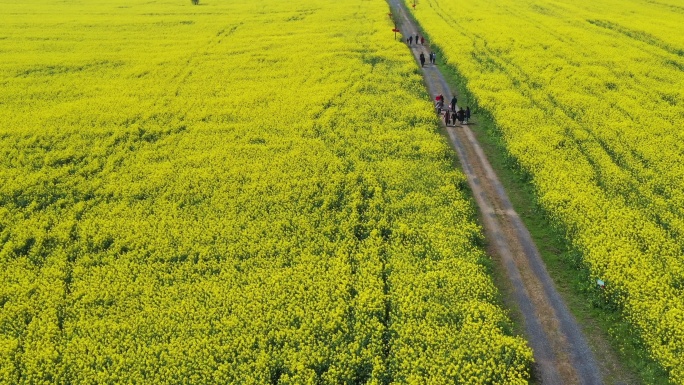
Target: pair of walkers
<point>433,58</point>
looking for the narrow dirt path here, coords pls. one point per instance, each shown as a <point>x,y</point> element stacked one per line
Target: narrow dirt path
<point>562,355</point>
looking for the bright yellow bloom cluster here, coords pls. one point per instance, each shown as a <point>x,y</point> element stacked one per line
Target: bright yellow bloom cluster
<point>589,97</point>
<point>232,193</point>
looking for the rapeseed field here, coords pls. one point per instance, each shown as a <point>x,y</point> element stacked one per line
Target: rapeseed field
<point>589,98</point>
<point>235,192</point>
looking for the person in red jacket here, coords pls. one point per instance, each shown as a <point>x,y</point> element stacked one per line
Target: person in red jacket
<point>439,103</point>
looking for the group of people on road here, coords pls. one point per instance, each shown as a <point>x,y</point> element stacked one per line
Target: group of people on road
<point>451,115</point>
<point>419,40</point>
<point>461,116</point>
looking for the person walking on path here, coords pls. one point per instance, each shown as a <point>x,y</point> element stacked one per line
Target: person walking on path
<point>453,104</point>
<point>461,115</point>
<point>467,114</point>
<point>422,59</point>
<point>422,40</point>
<point>439,104</point>
<point>447,118</point>
<point>417,37</point>
<point>410,40</point>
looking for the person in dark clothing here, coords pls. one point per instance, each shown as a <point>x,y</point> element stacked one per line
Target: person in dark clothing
<point>431,57</point>
<point>453,104</point>
<point>417,37</point>
<point>467,114</point>
<point>422,41</point>
<point>410,40</point>
<point>461,115</point>
<point>447,118</point>
<point>422,59</point>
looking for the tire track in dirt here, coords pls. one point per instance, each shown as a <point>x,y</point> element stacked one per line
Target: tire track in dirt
<point>561,352</point>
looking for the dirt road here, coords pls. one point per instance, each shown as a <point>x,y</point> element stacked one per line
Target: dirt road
<point>561,353</point>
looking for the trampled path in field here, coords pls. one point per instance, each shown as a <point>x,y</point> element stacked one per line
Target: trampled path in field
<point>561,352</point>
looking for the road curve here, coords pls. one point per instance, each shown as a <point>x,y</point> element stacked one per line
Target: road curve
<point>561,352</point>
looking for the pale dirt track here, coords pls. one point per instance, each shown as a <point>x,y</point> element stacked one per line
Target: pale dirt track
<point>562,355</point>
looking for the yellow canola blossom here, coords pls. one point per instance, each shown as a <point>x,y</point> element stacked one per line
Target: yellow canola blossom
<point>589,98</point>
<point>232,193</point>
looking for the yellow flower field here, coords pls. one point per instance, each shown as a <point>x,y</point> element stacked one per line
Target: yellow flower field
<point>589,96</point>
<point>232,193</point>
